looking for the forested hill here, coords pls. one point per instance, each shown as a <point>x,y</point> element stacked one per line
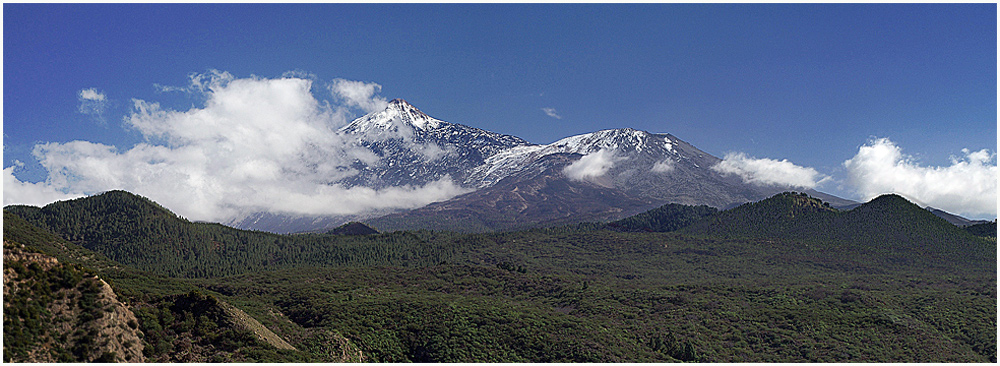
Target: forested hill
<point>353,228</point>
<point>666,218</point>
<point>784,215</point>
<point>887,223</point>
<point>109,207</point>
<point>986,230</point>
<point>135,231</point>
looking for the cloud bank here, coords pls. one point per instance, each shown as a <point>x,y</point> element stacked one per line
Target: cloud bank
<point>257,144</point>
<point>769,171</point>
<point>968,186</point>
<point>26,193</point>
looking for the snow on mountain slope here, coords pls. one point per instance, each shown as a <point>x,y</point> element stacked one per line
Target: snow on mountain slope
<point>414,148</point>
<point>659,153</point>
<point>398,114</point>
<point>514,159</point>
<point>406,147</point>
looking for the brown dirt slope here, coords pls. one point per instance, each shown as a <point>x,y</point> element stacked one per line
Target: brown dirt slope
<point>61,313</point>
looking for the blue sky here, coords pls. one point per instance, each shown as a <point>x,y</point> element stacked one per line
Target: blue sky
<point>813,84</point>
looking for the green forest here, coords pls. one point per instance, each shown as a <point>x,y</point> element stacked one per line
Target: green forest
<point>786,279</point>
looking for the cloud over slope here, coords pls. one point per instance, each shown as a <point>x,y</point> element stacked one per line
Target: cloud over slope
<point>257,144</point>
<point>968,186</point>
<point>768,171</point>
<point>592,165</point>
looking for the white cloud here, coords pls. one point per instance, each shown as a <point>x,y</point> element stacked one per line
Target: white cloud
<point>551,112</point>
<point>359,94</point>
<point>257,144</point>
<point>665,166</point>
<point>968,186</point>
<point>92,94</point>
<point>765,171</point>
<point>592,165</point>
<point>16,192</point>
<point>92,103</point>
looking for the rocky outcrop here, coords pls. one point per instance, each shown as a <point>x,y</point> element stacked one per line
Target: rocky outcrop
<point>243,321</point>
<point>58,312</point>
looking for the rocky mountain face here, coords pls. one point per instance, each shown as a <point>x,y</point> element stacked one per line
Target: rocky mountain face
<point>540,194</point>
<point>602,175</point>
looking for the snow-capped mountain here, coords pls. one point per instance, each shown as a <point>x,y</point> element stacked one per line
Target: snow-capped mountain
<point>660,151</point>
<point>595,176</point>
<point>598,176</point>
<point>504,163</point>
<point>658,166</point>
<point>414,148</point>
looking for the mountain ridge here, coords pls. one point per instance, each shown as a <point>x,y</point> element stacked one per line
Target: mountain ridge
<point>414,148</point>
<point>410,147</point>
<point>955,219</point>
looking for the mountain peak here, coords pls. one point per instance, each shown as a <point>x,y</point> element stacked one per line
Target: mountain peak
<point>400,102</point>
<point>612,139</point>
<point>402,106</point>
<point>398,113</point>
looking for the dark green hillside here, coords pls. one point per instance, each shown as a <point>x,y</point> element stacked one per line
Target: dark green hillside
<point>986,230</point>
<point>891,218</point>
<point>57,312</point>
<point>888,227</point>
<point>126,280</point>
<point>108,209</point>
<point>666,218</point>
<point>785,215</point>
<point>353,228</point>
<point>17,230</point>
<point>782,280</point>
<point>134,231</point>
